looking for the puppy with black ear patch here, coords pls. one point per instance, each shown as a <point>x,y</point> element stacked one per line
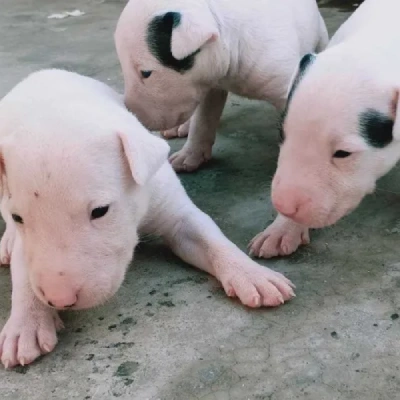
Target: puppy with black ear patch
<point>180,58</point>
<point>341,128</point>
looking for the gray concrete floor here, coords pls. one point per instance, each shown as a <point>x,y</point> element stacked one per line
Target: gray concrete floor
<point>171,333</point>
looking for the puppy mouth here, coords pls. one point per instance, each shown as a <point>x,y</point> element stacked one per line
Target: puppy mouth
<point>317,221</point>
<point>312,224</point>
<point>86,300</point>
<point>334,216</point>
<point>89,302</point>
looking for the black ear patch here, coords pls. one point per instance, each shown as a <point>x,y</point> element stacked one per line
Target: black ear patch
<point>304,64</point>
<point>158,38</point>
<point>376,128</point>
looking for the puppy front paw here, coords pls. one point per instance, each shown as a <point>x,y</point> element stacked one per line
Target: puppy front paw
<point>281,238</point>
<point>189,158</point>
<point>179,131</point>
<point>257,286</point>
<point>26,336</point>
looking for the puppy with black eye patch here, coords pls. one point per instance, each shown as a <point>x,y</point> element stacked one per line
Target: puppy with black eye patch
<point>81,179</point>
<point>180,58</point>
<point>340,129</point>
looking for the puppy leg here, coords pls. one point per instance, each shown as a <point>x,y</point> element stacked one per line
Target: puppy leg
<point>281,238</point>
<point>202,132</point>
<point>31,328</point>
<point>197,240</point>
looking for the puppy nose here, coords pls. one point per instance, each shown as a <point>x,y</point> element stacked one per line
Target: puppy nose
<point>61,298</point>
<point>288,209</point>
<point>289,202</point>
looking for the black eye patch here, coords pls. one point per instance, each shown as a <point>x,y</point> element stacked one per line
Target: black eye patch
<point>376,128</point>
<point>158,39</point>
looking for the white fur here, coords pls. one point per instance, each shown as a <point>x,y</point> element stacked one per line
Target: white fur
<point>68,145</point>
<point>247,47</point>
<point>197,28</point>
<point>359,70</point>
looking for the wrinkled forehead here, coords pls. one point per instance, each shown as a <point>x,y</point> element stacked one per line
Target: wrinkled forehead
<point>316,104</point>
<point>337,110</point>
<point>311,123</point>
<point>60,171</point>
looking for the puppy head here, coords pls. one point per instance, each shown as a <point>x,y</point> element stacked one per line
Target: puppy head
<point>167,59</point>
<point>339,135</point>
<point>77,201</point>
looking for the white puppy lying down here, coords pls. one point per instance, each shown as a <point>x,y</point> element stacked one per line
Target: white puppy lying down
<point>80,177</point>
<point>341,131</point>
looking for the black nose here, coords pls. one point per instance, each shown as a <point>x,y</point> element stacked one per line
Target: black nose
<point>68,306</point>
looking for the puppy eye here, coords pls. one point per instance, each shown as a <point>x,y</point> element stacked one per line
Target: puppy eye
<point>99,212</point>
<point>146,74</point>
<point>17,218</point>
<point>341,154</point>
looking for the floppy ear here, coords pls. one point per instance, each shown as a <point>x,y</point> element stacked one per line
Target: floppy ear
<point>144,152</point>
<point>192,29</point>
<point>299,73</point>
<point>297,76</point>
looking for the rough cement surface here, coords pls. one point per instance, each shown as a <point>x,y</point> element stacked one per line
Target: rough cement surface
<point>171,333</point>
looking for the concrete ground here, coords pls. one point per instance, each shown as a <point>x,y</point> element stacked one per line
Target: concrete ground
<point>171,333</point>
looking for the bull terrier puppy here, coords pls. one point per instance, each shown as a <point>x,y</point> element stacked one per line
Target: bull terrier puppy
<point>341,129</point>
<point>80,178</point>
<point>180,58</point>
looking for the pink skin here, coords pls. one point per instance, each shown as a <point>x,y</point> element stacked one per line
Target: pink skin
<point>167,98</point>
<point>55,257</point>
<point>64,159</point>
<point>32,328</point>
<point>239,53</point>
<point>281,238</point>
<point>313,188</point>
<point>310,189</point>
